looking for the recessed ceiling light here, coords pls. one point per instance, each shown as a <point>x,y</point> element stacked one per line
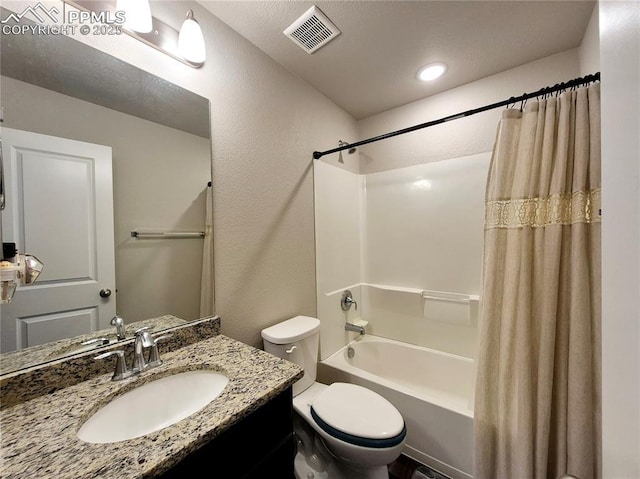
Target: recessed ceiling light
<point>432,71</point>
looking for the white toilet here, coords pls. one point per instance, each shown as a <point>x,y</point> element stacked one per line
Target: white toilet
<point>343,431</point>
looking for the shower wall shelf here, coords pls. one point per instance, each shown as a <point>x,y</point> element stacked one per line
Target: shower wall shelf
<point>399,289</point>
<point>429,294</point>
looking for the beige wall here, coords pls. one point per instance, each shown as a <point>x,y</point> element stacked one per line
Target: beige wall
<point>589,49</point>
<point>466,136</point>
<point>160,176</point>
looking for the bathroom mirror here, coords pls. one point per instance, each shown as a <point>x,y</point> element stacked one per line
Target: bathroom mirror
<point>159,135</point>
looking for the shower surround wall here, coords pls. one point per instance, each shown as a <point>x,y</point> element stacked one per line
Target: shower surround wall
<point>423,229</point>
<point>389,236</point>
<point>338,217</point>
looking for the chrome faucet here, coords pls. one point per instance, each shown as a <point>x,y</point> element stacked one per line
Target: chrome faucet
<point>118,322</point>
<point>154,356</point>
<point>347,301</point>
<point>121,371</point>
<point>143,339</point>
<point>354,327</point>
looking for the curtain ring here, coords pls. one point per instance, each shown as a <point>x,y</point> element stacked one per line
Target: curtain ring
<point>523,102</point>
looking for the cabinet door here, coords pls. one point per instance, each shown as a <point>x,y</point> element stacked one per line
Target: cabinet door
<point>258,446</point>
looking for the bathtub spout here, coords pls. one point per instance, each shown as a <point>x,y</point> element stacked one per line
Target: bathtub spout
<point>354,327</point>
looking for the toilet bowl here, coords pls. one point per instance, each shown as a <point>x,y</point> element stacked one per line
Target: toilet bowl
<point>343,431</point>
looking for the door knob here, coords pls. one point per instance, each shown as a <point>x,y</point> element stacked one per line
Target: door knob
<point>105,293</point>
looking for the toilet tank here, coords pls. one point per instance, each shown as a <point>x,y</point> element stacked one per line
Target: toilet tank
<point>296,340</point>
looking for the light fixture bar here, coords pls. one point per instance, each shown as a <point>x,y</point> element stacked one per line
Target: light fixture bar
<point>162,37</point>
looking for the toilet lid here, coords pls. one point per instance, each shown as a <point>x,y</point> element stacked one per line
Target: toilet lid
<point>357,411</point>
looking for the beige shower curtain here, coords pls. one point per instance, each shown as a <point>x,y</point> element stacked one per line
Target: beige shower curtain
<point>537,404</point>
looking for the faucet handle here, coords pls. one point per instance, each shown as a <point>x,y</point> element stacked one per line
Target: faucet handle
<point>143,339</point>
<point>145,335</point>
<point>347,300</point>
<point>352,301</point>
<point>154,356</point>
<point>161,338</point>
<point>121,371</point>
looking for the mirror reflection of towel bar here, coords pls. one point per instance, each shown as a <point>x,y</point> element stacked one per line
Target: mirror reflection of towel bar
<point>166,234</point>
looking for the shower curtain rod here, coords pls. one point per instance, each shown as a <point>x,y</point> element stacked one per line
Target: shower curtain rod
<point>542,92</point>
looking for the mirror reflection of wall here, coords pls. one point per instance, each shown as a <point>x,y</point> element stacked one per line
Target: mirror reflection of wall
<point>160,177</point>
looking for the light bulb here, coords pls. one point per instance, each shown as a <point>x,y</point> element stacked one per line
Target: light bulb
<point>137,15</point>
<point>190,40</point>
<point>432,71</point>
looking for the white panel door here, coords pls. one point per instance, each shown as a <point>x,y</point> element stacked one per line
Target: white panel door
<point>59,208</point>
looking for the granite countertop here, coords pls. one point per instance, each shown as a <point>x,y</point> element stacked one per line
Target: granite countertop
<point>38,436</point>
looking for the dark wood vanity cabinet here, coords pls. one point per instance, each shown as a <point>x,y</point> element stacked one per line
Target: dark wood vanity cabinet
<point>258,446</point>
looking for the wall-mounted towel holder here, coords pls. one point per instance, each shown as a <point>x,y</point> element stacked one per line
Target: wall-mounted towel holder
<point>452,297</point>
<point>454,308</point>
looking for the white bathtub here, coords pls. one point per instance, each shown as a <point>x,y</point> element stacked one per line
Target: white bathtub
<point>433,391</point>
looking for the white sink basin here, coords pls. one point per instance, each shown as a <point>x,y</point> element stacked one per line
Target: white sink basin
<point>153,406</point>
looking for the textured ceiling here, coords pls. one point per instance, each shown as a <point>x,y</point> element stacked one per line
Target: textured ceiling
<point>371,66</point>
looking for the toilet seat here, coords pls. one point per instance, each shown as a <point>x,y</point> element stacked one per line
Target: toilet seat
<point>358,416</point>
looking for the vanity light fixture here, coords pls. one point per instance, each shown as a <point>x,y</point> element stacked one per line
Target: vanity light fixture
<point>190,40</point>
<point>187,46</point>
<point>432,71</point>
<point>137,14</point>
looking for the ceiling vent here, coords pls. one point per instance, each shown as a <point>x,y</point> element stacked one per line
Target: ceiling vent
<point>312,30</point>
